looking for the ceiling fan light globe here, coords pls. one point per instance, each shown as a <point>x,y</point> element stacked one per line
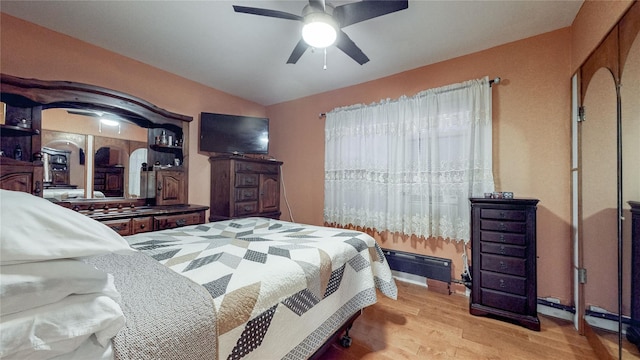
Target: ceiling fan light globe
<point>109,122</point>
<point>319,32</point>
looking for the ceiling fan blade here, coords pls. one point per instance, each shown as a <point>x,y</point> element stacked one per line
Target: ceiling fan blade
<point>300,48</point>
<point>82,112</point>
<point>350,48</point>
<point>356,12</point>
<point>317,4</point>
<point>267,12</point>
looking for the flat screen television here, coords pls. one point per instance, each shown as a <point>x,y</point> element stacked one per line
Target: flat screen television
<point>233,134</point>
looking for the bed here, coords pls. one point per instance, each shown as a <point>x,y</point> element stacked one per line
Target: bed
<point>251,288</point>
<point>60,194</point>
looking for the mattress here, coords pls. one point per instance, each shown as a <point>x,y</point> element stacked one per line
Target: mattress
<point>272,280</point>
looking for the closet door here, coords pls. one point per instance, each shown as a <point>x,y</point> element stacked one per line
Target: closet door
<point>599,194</point>
<point>608,179</point>
<point>630,150</point>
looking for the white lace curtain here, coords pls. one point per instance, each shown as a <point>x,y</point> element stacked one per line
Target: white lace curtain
<point>410,165</point>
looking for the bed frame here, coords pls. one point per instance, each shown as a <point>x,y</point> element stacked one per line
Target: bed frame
<point>345,340</point>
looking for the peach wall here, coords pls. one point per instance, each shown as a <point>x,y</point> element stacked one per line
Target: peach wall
<point>31,51</point>
<point>531,111</point>
<point>594,20</point>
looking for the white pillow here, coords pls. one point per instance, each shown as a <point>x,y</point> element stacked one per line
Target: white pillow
<point>59,328</point>
<point>35,229</point>
<point>29,285</point>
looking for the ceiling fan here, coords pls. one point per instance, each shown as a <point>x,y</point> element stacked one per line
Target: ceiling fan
<point>323,23</point>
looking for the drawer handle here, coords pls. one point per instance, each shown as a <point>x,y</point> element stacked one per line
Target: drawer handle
<point>502,226</point>
<point>502,284</point>
<point>116,227</point>
<point>502,215</point>
<point>502,237</point>
<point>142,226</point>
<point>502,250</point>
<point>503,266</point>
<point>181,222</point>
<point>248,208</point>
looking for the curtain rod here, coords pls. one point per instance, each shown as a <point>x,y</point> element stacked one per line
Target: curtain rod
<point>491,82</point>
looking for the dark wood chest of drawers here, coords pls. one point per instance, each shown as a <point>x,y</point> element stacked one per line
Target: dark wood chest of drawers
<point>242,187</point>
<point>109,180</point>
<point>503,241</point>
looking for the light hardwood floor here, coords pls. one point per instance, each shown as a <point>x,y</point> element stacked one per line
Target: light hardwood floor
<point>606,345</point>
<point>424,324</point>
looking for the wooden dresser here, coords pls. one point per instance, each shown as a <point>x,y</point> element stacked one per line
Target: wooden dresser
<point>109,180</point>
<point>21,176</point>
<point>242,187</point>
<point>128,217</point>
<point>21,166</point>
<point>503,240</point>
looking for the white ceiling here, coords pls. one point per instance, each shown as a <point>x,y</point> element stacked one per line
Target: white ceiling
<point>245,55</point>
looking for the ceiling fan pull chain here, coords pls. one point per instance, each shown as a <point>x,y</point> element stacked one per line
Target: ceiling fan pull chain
<point>325,59</point>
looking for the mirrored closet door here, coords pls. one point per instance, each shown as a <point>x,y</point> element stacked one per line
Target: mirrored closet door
<point>609,182</point>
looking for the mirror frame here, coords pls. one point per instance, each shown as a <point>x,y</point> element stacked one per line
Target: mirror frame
<point>24,92</point>
<point>44,94</point>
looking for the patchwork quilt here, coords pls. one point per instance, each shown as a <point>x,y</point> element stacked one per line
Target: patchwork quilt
<point>280,289</point>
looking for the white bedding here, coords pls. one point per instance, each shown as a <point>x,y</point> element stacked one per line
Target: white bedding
<point>64,194</point>
<point>89,349</point>
<point>51,303</point>
<point>60,327</point>
<point>31,285</point>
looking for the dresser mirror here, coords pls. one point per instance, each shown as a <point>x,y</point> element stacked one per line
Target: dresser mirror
<point>609,177</point>
<point>63,124</point>
<point>119,149</point>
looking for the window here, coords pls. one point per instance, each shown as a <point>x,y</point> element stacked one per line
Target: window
<point>410,165</point>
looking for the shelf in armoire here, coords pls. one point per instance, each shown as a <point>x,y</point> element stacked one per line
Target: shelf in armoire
<point>12,130</point>
<point>165,148</point>
<point>8,161</point>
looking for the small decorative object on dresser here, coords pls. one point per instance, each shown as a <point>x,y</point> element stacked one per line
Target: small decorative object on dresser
<point>503,240</point>
<point>17,152</point>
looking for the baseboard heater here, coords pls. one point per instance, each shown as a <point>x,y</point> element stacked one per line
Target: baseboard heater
<point>431,267</point>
